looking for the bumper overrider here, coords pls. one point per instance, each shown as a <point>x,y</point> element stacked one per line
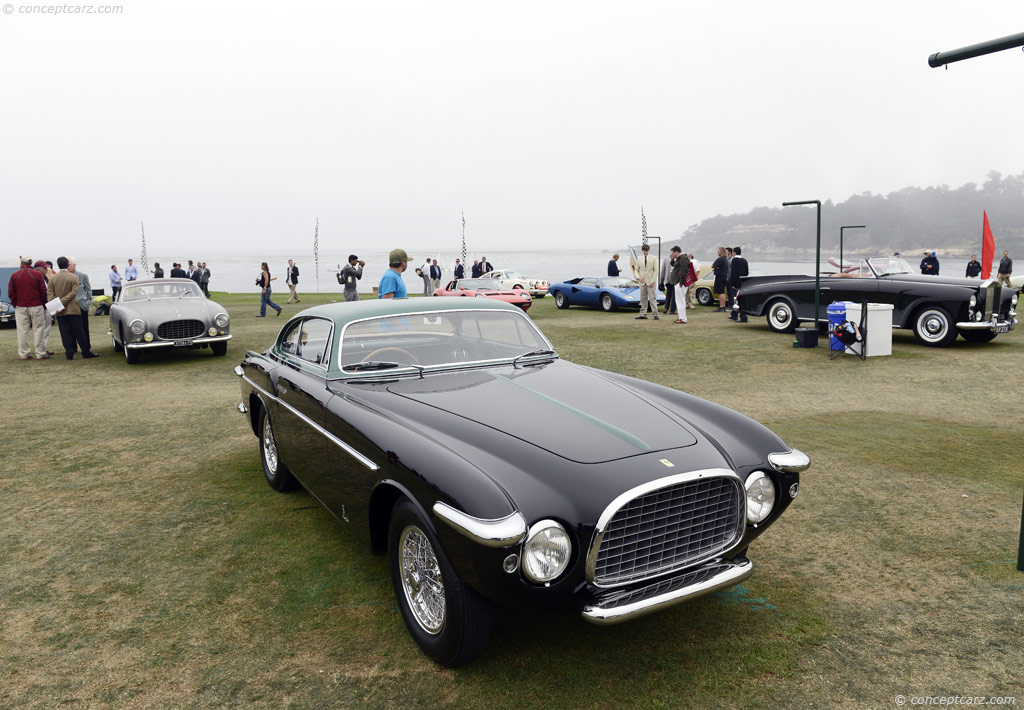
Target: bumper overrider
<point>204,340</point>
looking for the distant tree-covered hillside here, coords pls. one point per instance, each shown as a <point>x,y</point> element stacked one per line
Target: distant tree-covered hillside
<point>910,220</point>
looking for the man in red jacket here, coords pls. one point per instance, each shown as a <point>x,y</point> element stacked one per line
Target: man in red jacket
<point>27,291</point>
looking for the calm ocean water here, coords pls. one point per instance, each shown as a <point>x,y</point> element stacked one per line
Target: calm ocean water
<point>237,274</point>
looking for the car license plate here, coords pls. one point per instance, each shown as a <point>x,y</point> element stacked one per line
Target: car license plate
<point>182,343</point>
<point>1002,329</point>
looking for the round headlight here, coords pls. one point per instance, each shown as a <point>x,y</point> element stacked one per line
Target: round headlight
<point>221,320</point>
<point>760,497</point>
<point>1013,299</point>
<point>137,326</point>
<point>546,551</point>
<point>973,302</point>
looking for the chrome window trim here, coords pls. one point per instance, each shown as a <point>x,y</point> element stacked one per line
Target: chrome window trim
<point>496,533</point>
<point>612,508</point>
<point>366,461</point>
<point>363,375</point>
<point>321,367</point>
<point>792,461</point>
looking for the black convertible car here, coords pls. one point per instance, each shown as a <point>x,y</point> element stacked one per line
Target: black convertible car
<point>936,308</point>
<point>448,435</point>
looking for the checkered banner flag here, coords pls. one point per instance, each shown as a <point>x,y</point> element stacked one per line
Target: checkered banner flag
<point>316,253</point>
<point>463,237</point>
<point>643,224</point>
<point>144,259</point>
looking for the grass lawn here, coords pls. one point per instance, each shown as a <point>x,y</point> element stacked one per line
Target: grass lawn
<point>144,562</point>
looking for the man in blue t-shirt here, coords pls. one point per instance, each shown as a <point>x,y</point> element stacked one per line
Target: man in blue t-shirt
<point>391,284</point>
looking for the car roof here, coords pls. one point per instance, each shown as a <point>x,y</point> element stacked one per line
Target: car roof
<point>146,282</point>
<point>345,312</point>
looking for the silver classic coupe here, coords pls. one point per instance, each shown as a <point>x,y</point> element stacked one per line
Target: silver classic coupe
<point>167,313</point>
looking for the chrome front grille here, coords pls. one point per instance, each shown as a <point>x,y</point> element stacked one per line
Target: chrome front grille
<point>666,526</point>
<point>180,329</point>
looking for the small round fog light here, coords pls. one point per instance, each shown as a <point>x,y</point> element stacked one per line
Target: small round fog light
<point>511,563</point>
<point>793,490</point>
<point>212,331</point>
<point>148,337</point>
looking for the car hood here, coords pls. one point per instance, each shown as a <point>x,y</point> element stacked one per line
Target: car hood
<point>569,411</point>
<point>160,310</point>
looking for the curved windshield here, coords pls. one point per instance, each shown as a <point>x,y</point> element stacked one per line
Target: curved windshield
<point>513,274</point>
<point>168,289</point>
<point>480,285</point>
<point>437,340</point>
<point>620,282</point>
<point>889,265</point>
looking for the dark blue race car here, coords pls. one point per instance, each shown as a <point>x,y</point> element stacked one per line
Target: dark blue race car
<point>605,292</point>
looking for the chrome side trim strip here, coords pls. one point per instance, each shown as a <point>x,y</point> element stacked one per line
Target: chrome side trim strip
<point>500,532</point>
<point>790,461</point>
<point>612,508</point>
<point>330,437</point>
<point>732,573</point>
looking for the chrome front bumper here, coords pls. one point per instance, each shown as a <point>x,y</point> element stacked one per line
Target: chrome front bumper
<point>996,326</point>
<point>623,605</point>
<point>170,343</point>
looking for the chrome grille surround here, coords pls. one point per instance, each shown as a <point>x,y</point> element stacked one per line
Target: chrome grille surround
<point>666,525</point>
<point>181,329</point>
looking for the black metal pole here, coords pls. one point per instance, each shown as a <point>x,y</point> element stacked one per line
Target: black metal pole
<point>848,226</point>
<point>976,50</point>
<point>1020,548</point>
<point>817,260</point>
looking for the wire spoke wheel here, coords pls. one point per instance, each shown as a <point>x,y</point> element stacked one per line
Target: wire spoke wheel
<point>269,447</point>
<point>421,580</point>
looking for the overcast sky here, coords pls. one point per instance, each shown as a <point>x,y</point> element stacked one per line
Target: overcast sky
<point>231,126</point>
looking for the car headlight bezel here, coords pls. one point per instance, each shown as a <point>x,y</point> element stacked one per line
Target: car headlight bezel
<point>546,553</point>
<point>137,326</point>
<point>761,497</point>
<point>222,320</point>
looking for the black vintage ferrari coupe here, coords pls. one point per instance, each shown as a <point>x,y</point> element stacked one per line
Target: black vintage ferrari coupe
<point>449,435</point>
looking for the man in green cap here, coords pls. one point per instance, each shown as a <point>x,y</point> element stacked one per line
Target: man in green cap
<point>391,284</point>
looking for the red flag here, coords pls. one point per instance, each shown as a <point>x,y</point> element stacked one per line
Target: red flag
<point>988,249</point>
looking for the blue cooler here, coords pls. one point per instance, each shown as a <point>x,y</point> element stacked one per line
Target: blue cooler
<point>836,315</point>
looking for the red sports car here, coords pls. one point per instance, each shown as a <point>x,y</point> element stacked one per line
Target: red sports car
<point>486,288</point>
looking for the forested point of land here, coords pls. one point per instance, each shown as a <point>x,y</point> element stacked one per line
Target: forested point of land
<point>948,220</point>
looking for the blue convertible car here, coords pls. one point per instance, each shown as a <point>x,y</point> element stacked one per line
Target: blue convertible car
<point>605,292</point>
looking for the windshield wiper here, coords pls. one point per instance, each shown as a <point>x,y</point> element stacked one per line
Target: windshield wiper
<point>533,353</point>
<point>379,365</point>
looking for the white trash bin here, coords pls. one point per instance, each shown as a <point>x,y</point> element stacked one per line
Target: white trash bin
<point>879,327</point>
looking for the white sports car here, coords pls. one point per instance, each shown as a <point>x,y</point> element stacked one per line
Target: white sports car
<point>510,278</point>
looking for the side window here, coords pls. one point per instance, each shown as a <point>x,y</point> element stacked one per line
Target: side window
<point>314,340</point>
<point>591,283</point>
<point>290,341</point>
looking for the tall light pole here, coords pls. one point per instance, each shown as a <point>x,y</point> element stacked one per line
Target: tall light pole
<point>817,259</point>
<point>848,226</point>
